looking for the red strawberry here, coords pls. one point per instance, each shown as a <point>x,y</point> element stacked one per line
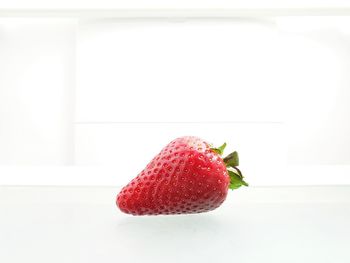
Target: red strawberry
<point>187,176</point>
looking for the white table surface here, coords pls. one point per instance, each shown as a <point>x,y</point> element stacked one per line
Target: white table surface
<point>256,224</point>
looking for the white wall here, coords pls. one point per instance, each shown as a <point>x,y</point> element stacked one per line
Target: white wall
<point>274,89</point>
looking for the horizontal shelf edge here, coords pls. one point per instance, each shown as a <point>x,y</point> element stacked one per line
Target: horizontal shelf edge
<point>174,13</point>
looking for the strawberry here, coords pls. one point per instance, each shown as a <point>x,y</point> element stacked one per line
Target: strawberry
<point>187,176</point>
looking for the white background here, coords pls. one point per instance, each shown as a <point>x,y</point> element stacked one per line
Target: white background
<point>87,99</point>
<point>91,101</point>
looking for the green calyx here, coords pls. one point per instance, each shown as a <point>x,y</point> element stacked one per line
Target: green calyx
<point>231,161</point>
<point>219,150</point>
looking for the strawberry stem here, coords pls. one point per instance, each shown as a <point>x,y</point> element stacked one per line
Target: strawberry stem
<point>238,171</point>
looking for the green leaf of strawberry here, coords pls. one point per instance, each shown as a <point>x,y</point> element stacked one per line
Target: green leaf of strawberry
<point>236,180</point>
<point>232,159</point>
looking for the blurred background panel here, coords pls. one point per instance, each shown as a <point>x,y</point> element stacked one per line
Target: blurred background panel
<point>171,71</point>
<point>37,79</point>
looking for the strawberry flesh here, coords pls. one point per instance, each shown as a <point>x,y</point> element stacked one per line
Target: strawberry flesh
<point>186,177</point>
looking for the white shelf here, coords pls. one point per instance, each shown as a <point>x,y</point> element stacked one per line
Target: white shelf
<point>82,224</point>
